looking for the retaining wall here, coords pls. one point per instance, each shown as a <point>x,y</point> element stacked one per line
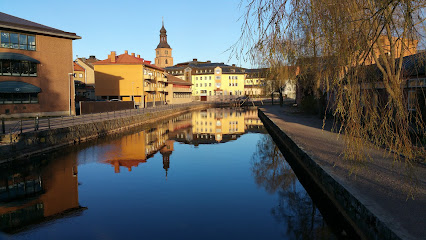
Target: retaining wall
<point>31,143</point>
<point>365,224</point>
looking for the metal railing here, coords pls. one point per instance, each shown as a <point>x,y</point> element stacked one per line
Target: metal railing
<point>39,124</point>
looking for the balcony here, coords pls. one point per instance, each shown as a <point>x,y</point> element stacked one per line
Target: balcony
<point>149,88</point>
<point>149,77</point>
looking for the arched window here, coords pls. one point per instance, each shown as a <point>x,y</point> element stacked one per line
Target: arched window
<point>166,61</point>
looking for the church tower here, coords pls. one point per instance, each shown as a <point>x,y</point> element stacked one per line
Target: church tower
<point>163,52</point>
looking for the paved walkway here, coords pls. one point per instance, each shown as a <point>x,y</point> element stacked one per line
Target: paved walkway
<point>382,185</point>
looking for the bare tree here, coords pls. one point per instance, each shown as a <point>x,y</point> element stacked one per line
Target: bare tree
<point>351,51</point>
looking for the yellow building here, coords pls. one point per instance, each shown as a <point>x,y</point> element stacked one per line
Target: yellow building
<point>163,52</point>
<point>217,125</point>
<point>130,78</point>
<point>211,81</point>
<point>87,65</point>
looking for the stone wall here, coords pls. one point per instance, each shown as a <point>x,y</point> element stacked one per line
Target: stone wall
<point>33,143</point>
<point>98,107</point>
<point>354,214</point>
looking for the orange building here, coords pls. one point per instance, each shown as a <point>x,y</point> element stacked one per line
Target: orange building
<point>130,78</point>
<point>36,69</point>
<point>36,192</point>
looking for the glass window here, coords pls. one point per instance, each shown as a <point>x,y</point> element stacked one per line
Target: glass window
<point>25,68</point>
<point>6,68</point>
<point>9,98</point>
<point>33,69</point>
<point>14,40</point>
<point>5,39</point>
<point>23,43</point>
<point>31,43</point>
<point>15,68</point>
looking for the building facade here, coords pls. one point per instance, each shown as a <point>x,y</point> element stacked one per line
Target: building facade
<point>209,80</point>
<point>163,52</point>
<point>36,69</point>
<point>87,65</point>
<point>130,78</point>
<point>177,90</point>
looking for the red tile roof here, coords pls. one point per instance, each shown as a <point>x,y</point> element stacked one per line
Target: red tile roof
<point>78,67</point>
<point>128,59</point>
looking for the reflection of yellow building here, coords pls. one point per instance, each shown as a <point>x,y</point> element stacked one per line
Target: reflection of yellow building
<point>129,77</point>
<point>44,193</point>
<point>214,123</point>
<point>127,152</point>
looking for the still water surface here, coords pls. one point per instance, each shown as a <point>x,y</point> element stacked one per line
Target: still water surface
<point>212,174</point>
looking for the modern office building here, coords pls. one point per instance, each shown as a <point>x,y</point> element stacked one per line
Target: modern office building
<point>36,69</point>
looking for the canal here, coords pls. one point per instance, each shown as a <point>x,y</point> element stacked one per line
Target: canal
<point>212,174</point>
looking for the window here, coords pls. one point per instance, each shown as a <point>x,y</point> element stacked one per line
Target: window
<point>217,71</point>
<point>167,52</point>
<point>217,77</point>
<point>210,84</point>
<point>210,77</point>
<point>17,41</point>
<point>80,75</point>
<point>412,99</point>
<point>18,68</point>
<point>158,52</point>
<point>166,61</point>
<point>9,98</point>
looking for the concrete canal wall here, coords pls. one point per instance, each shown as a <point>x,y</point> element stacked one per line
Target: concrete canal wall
<point>36,142</point>
<point>365,224</point>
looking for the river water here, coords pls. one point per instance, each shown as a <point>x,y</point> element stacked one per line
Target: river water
<point>212,174</point>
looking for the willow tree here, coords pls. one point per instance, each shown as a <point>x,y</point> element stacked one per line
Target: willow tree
<point>351,51</point>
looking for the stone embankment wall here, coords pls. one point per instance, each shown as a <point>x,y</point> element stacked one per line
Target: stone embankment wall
<point>33,143</point>
<point>354,214</point>
<point>99,107</point>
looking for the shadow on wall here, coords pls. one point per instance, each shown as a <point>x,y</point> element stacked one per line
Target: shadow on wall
<point>107,84</point>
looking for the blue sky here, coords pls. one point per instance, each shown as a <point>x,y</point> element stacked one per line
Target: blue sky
<point>195,29</point>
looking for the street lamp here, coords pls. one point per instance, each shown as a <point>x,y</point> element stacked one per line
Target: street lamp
<point>69,90</point>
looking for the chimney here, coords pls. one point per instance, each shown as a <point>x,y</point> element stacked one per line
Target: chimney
<point>208,61</point>
<point>139,56</point>
<point>133,54</point>
<point>233,65</point>
<point>112,56</point>
<point>126,52</point>
<point>194,60</point>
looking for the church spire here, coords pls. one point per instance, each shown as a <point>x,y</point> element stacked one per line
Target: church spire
<point>163,37</point>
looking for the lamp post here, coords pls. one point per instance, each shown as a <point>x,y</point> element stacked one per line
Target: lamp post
<point>133,95</point>
<point>71,75</point>
<point>137,94</point>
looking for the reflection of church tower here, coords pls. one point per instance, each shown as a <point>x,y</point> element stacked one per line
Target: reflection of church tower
<point>166,151</point>
<point>163,52</point>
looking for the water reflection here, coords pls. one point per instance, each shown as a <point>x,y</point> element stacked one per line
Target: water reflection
<point>223,194</point>
<point>37,191</point>
<point>211,126</point>
<point>295,209</point>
